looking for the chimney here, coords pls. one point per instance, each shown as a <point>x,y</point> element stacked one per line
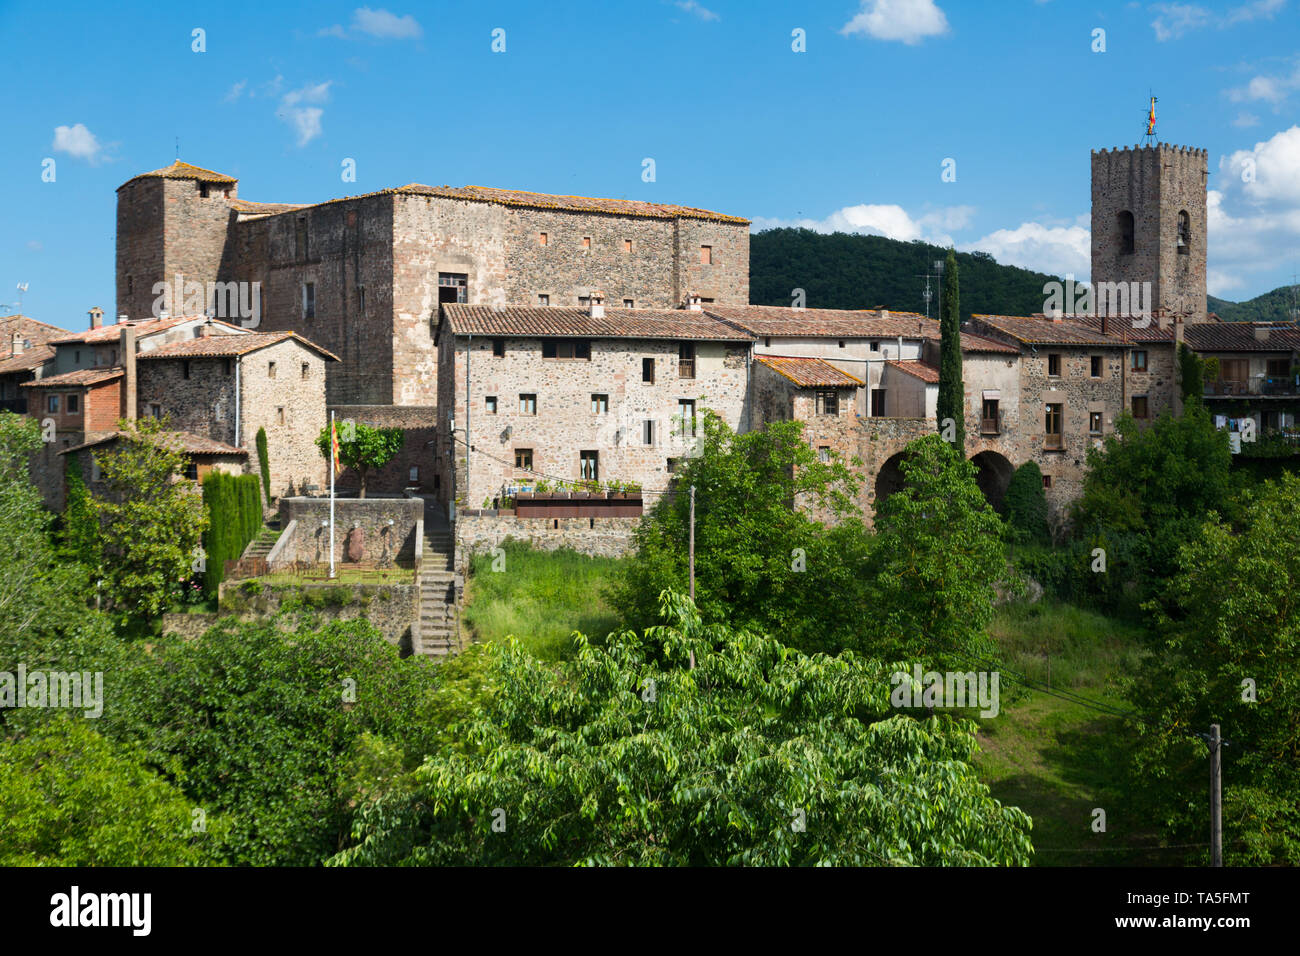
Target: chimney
<point>17,348</point>
<point>1104,325</point>
<point>164,314</point>
<point>597,304</point>
<point>693,302</point>
<point>205,329</point>
<point>96,317</point>
<point>1261,333</point>
<point>884,313</point>
<point>128,363</point>
<point>122,319</point>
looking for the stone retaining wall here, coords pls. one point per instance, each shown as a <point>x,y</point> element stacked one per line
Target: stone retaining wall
<point>599,537</point>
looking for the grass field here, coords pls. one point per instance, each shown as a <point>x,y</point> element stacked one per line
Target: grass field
<point>1055,759</point>
<point>539,597</point>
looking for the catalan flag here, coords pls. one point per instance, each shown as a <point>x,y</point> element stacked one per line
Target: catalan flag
<point>334,446</point>
<point>1151,118</point>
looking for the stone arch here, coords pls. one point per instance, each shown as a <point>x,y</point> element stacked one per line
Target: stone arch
<point>890,477</point>
<point>993,475</point>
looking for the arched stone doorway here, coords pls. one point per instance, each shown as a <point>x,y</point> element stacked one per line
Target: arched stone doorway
<point>993,475</point>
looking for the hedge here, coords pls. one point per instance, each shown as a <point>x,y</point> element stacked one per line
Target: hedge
<point>234,504</point>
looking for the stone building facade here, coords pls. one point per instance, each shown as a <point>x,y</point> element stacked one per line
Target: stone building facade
<point>226,388</point>
<point>364,276</point>
<point>566,394</point>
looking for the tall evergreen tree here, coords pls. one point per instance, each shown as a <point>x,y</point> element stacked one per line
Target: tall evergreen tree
<point>952,390</point>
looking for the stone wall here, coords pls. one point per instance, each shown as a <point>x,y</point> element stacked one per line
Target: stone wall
<point>419,423</point>
<point>566,424</point>
<point>392,608</point>
<point>291,407</point>
<point>1158,382</point>
<point>310,541</point>
<point>599,537</point>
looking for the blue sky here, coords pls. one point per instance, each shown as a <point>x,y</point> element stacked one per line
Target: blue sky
<point>851,133</point>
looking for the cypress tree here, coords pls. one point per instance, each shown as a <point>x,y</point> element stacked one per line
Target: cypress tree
<point>264,463</point>
<point>952,390</point>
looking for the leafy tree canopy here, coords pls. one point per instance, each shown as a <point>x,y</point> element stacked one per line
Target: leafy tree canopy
<point>362,447</point>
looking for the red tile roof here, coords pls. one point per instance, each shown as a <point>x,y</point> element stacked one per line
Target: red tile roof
<point>831,323</point>
<point>978,343</point>
<point>25,361</point>
<point>219,346</point>
<point>1043,331</point>
<point>809,372</point>
<point>1129,328</point>
<point>926,373</point>
<point>180,170</point>
<point>250,208</point>
<point>1241,337</point>
<point>531,200</point>
<point>187,442</point>
<point>80,378</point>
<point>552,321</point>
<point>143,327</point>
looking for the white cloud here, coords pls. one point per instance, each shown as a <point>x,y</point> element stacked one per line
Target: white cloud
<point>35,245</point>
<point>236,91</point>
<point>1245,120</point>
<point>691,6</point>
<point>890,220</point>
<point>1269,89</point>
<point>1253,11</point>
<point>335,31</point>
<point>297,110</point>
<point>385,25</point>
<point>1254,221</point>
<point>1057,250</point>
<point>78,142</point>
<point>1174,19</point>
<point>908,21</point>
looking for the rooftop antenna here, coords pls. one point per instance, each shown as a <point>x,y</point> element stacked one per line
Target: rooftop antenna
<point>937,275</point>
<point>178,149</point>
<point>22,287</point>
<point>1150,137</point>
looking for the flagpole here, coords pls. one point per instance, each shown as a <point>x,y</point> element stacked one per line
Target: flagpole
<point>331,466</point>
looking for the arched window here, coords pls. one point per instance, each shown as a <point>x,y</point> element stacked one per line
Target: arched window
<point>1184,233</point>
<point>1126,232</point>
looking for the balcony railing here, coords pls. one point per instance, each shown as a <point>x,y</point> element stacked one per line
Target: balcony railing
<point>991,426</point>
<point>1270,385</point>
<point>686,368</point>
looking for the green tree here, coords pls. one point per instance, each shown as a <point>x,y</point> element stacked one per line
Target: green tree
<point>153,521</point>
<point>264,463</point>
<point>262,722</point>
<point>80,535</point>
<point>758,560</point>
<point>938,557</point>
<point>1194,373</point>
<point>1227,628</point>
<point>952,390</point>
<point>1025,506</point>
<point>363,447</point>
<point>759,755</point>
<point>71,797</point>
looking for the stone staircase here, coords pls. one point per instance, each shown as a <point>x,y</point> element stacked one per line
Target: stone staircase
<point>260,546</point>
<point>439,586</point>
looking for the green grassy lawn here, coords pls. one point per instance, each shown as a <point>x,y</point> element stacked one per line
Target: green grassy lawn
<point>539,597</point>
<point>1058,760</point>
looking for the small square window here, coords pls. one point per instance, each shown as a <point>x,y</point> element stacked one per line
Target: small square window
<point>524,459</point>
<point>52,403</point>
<point>279,415</point>
<point>841,343</point>
<point>306,369</point>
<point>499,348</point>
<point>824,453</point>
<point>1047,481</point>
<point>686,412</point>
<point>203,190</point>
<point>1139,360</point>
<point>1140,406</point>
<point>828,403</point>
<point>413,475</point>
<point>586,242</point>
<point>1054,365</point>
<point>270,370</point>
<point>627,304</point>
<point>670,465</point>
<point>155,410</point>
<point>1095,361</point>
<point>542,238</point>
<point>875,345</point>
<point>192,471</point>
<point>543,299</point>
<point>72,404</point>
<point>589,465</point>
<point>599,404</point>
<point>627,245</point>
<point>648,370</point>
<point>528,404</point>
<point>706,255</point>
<point>491,404</point>
<point>1094,423</point>
<point>647,432</point>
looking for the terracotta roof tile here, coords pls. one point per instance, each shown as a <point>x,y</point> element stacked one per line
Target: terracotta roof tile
<point>1043,331</point>
<point>180,170</point>
<point>844,323</point>
<point>978,343</point>
<point>809,372</point>
<point>25,361</point>
<point>926,373</point>
<point>219,346</point>
<point>81,377</point>
<point>1129,328</point>
<point>250,208</point>
<point>1241,337</point>
<point>188,442</point>
<point>552,321</point>
<point>143,327</point>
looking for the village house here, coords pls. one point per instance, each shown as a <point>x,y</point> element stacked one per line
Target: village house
<point>202,455</point>
<point>25,354</point>
<point>1257,377</point>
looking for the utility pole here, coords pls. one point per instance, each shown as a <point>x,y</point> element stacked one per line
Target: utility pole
<point>1216,797</point>
<point>691,560</point>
